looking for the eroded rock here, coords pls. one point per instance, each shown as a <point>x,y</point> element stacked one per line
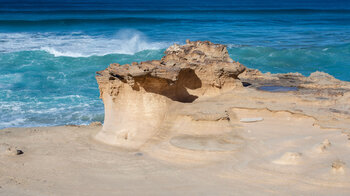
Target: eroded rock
<point>317,82</point>
<point>137,96</point>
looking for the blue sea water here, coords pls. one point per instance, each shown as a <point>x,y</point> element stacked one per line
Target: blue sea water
<point>50,50</point>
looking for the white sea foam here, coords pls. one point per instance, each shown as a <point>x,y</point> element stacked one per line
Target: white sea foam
<point>78,44</point>
<point>67,97</point>
<point>234,45</point>
<point>58,53</point>
<point>12,123</point>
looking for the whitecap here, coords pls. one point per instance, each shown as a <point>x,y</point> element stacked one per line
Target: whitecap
<point>234,45</point>
<point>50,78</point>
<point>66,97</point>
<point>58,53</point>
<point>126,41</point>
<point>16,122</point>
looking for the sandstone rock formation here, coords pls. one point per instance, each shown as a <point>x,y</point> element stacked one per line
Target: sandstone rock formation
<point>316,81</point>
<point>137,96</point>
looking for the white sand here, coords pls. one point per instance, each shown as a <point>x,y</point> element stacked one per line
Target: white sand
<point>198,151</point>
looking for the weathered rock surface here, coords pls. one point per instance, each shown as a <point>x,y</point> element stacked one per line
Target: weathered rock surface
<point>316,81</point>
<point>136,96</point>
<point>141,98</point>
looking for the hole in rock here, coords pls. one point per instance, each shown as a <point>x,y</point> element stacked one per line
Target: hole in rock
<point>187,79</point>
<point>245,84</point>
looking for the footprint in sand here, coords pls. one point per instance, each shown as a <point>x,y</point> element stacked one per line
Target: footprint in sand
<point>338,167</point>
<point>326,144</point>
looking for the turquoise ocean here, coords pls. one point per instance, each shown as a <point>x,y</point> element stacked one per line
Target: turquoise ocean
<point>50,50</point>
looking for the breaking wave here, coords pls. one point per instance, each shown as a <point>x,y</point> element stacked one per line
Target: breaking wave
<point>77,44</point>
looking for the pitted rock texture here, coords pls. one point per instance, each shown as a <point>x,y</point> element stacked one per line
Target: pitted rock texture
<point>195,65</point>
<point>137,96</point>
<point>316,81</point>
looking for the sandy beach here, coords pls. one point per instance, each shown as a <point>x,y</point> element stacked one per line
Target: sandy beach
<point>194,123</point>
<point>286,153</point>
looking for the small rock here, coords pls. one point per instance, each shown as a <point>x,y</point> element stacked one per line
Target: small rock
<point>138,154</point>
<point>19,152</point>
<point>10,150</point>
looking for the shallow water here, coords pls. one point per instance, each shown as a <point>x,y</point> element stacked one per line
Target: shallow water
<point>49,52</point>
<point>277,88</point>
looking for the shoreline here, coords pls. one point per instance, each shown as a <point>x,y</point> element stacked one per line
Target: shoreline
<point>174,127</point>
<point>283,148</point>
<point>263,75</point>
